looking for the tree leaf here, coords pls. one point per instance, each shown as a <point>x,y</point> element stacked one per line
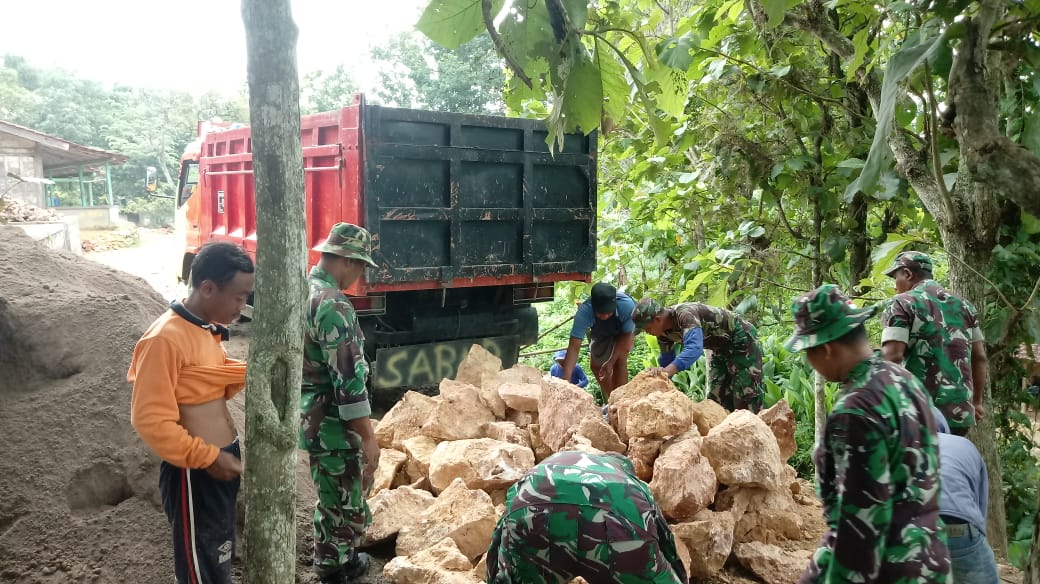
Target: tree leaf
<point>577,12</point>
<point>583,95</point>
<point>884,254</point>
<point>673,90</point>
<point>1031,133</point>
<point>719,295</point>
<point>859,41</point>
<point>450,23</point>
<point>527,34</point>
<point>914,51</point>
<point>775,11</point>
<point>616,90</point>
<point>677,52</point>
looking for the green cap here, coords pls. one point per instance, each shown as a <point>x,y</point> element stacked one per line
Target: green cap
<point>824,315</point>
<point>646,310</point>
<point>350,241</point>
<point>914,260</point>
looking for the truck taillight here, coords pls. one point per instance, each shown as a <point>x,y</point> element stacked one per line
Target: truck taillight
<point>364,305</point>
<point>534,293</point>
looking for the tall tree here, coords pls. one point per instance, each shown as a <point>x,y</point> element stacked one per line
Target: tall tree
<point>276,350</point>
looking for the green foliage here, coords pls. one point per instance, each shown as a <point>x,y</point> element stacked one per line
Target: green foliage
<point>151,211</point>
<point>913,52</point>
<point>150,127</point>
<point>416,73</point>
<point>322,91</point>
<point>451,23</point>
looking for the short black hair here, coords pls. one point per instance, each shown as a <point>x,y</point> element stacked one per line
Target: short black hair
<point>329,256</point>
<point>855,336</point>
<point>218,262</point>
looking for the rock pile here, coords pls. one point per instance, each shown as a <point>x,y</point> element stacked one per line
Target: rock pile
<point>17,211</point>
<point>720,478</point>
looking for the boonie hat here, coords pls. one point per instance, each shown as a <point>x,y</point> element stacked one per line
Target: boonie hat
<point>646,310</point>
<point>603,298</point>
<point>824,315</point>
<point>914,260</point>
<point>350,241</point>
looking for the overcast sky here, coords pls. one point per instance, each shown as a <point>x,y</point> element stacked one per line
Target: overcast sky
<point>191,45</point>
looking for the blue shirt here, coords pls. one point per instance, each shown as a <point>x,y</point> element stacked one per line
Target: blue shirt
<point>964,486</point>
<point>619,323</point>
<point>577,376</point>
<point>692,349</point>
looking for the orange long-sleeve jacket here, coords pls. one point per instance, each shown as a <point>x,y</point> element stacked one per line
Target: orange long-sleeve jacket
<point>177,362</point>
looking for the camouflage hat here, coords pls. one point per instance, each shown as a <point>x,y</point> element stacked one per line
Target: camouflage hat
<point>646,310</point>
<point>824,315</point>
<point>914,260</point>
<point>350,241</point>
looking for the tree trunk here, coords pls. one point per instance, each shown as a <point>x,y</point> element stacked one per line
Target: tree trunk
<point>974,257</point>
<point>276,351</point>
<point>859,248</point>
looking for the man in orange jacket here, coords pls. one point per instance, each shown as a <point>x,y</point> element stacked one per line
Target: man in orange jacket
<point>182,380</point>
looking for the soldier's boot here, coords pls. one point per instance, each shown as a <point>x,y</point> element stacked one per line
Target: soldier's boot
<point>356,567</point>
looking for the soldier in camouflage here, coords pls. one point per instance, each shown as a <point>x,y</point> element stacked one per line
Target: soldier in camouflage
<point>335,428</point>
<point>736,366</point>
<point>936,336</point>
<point>877,464</point>
<point>586,515</point>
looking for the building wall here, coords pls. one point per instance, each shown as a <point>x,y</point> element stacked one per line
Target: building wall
<point>19,156</point>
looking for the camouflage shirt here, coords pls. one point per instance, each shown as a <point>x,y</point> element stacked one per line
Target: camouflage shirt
<point>599,490</point>
<point>938,329</point>
<point>334,369</point>
<point>878,470</point>
<point>721,327</point>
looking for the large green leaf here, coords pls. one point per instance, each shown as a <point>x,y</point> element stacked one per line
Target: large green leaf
<point>527,34</point>
<point>616,90</point>
<point>673,90</point>
<point>451,23</point>
<point>914,51</point>
<point>1031,132</point>
<point>775,10</point>
<point>577,12</point>
<point>884,254</point>
<point>720,295</point>
<point>582,95</point>
<point>677,52</point>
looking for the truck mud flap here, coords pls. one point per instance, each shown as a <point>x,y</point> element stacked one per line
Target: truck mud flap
<point>427,364</point>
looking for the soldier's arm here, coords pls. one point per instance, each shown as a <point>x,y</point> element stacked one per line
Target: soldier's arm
<point>863,509</point>
<point>897,320</point>
<point>337,330</point>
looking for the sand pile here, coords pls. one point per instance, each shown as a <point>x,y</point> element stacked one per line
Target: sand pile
<point>79,500</point>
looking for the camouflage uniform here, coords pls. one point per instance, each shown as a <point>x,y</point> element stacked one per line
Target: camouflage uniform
<point>578,514</point>
<point>877,464</point>
<point>736,366</point>
<point>938,329</point>
<point>332,394</point>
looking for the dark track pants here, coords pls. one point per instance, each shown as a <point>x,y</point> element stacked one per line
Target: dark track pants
<point>201,511</point>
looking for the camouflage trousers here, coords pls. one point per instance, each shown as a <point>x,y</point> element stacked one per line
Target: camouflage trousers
<point>341,513</point>
<point>555,543</point>
<point>736,372</point>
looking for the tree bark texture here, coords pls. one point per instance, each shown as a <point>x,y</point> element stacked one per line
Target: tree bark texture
<point>276,351</point>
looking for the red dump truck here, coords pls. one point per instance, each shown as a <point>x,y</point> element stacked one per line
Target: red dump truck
<point>473,219</point>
